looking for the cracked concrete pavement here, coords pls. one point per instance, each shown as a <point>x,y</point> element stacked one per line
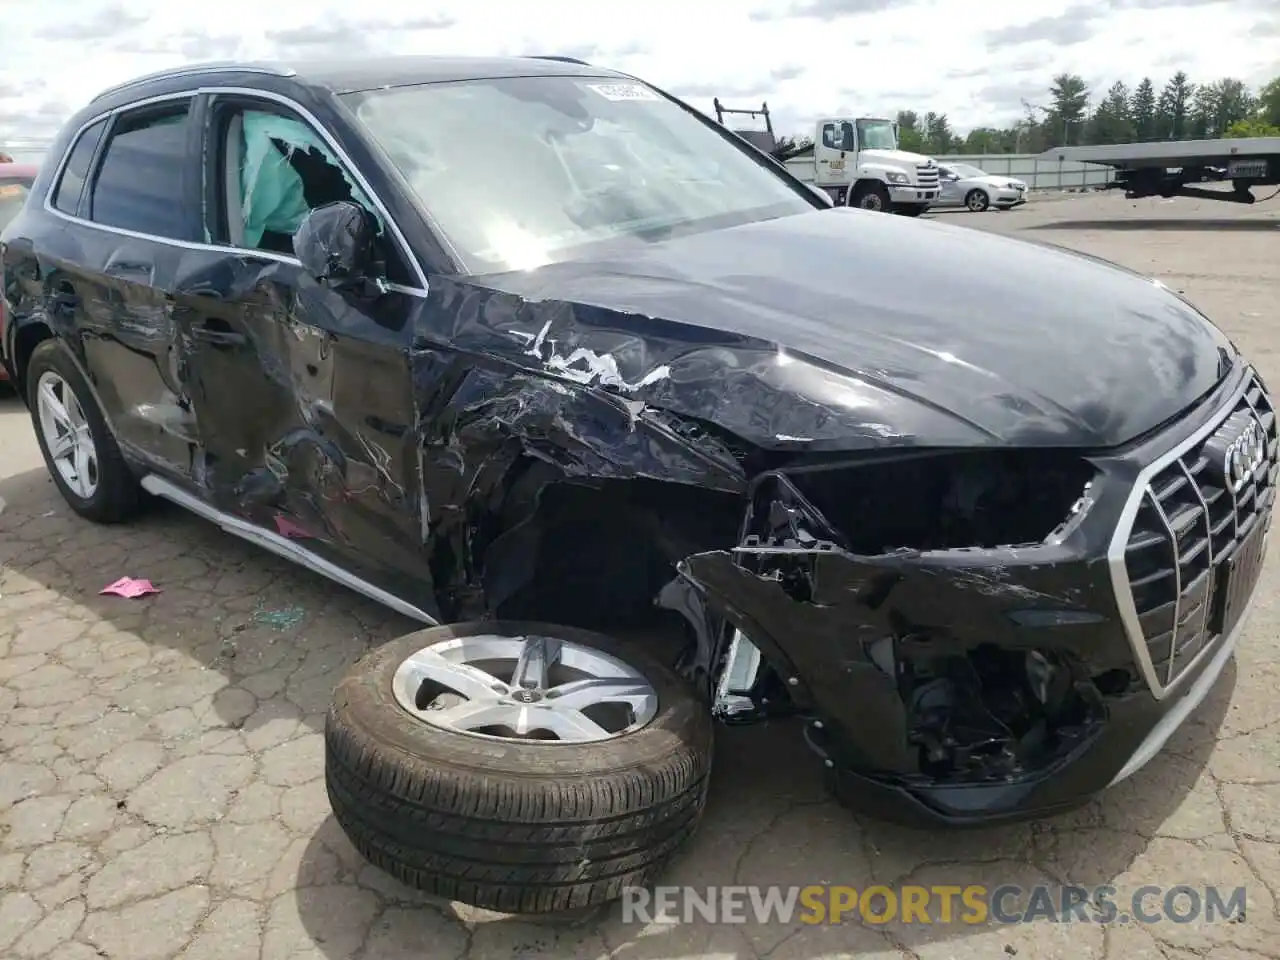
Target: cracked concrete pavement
<point>161,762</point>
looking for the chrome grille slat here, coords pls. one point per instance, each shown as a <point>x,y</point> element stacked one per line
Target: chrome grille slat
<point>926,175</point>
<point>1177,582</point>
<point>1178,530</point>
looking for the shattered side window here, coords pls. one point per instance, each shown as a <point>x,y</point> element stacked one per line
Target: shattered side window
<point>277,169</point>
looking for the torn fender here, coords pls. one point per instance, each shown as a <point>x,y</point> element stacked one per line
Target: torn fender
<point>840,627</point>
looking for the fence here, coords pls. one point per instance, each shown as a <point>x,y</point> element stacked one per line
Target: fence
<point>1037,172</point>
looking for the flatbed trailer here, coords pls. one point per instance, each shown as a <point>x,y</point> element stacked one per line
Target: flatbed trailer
<point>1169,169</point>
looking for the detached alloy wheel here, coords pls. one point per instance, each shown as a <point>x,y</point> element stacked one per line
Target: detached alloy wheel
<point>520,767</point>
<point>79,450</point>
<point>977,200</point>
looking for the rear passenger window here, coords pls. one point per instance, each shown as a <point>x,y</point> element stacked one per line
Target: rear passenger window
<point>66,195</point>
<point>141,181</point>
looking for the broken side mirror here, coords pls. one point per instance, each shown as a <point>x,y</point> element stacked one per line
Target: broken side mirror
<point>337,244</point>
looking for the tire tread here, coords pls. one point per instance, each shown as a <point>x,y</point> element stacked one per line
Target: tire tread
<point>531,841</point>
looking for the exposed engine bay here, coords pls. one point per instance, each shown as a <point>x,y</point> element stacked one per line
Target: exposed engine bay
<point>865,565</point>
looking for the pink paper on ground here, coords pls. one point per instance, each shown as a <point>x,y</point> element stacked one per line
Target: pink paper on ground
<point>129,588</point>
<point>287,528</point>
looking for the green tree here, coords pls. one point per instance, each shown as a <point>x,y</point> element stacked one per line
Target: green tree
<point>910,136</point>
<point>938,137</point>
<point>1216,106</point>
<point>1253,127</point>
<point>1142,110</point>
<point>987,140</point>
<point>1066,117</point>
<point>1030,135</point>
<point>1174,106</point>
<point>1111,122</point>
<point>1268,109</point>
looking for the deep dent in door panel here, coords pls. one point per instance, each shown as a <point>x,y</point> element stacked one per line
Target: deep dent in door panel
<point>305,414</point>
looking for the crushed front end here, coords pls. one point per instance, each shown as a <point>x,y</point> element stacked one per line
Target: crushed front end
<point>976,637</point>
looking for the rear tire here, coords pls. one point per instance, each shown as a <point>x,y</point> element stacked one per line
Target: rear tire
<point>110,492</point>
<point>518,826</point>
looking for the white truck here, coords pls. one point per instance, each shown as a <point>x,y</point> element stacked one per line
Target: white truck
<point>858,163</point>
<point>855,161</point>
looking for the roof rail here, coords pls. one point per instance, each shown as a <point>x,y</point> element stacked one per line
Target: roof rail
<point>560,59</point>
<point>195,70</point>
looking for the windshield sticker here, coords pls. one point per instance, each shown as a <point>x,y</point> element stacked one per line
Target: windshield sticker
<point>623,91</point>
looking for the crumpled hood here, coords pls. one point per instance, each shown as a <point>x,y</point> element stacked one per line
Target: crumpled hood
<point>888,327</point>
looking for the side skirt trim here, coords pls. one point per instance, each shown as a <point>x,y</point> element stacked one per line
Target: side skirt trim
<point>282,547</point>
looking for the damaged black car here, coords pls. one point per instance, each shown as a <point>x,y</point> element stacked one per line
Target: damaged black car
<point>646,435</point>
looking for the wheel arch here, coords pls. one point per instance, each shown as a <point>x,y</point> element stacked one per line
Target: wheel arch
<point>24,340</point>
<point>27,338</point>
<point>863,185</point>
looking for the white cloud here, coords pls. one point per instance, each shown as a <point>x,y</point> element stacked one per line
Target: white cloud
<point>807,58</point>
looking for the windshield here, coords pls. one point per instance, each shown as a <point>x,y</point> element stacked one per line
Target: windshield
<point>876,135</point>
<point>518,172</point>
<point>13,195</point>
<point>964,170</point>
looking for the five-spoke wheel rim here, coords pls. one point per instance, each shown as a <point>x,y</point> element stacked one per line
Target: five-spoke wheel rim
<point>67,437</point>
<point>977,201</point>
<point>527,688</point>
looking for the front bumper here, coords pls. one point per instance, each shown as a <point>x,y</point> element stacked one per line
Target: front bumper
<point>912,193</point>
<point>1008,197</point>
<point>839,628</point>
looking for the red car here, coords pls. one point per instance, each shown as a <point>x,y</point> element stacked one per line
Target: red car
<point>15,183</point>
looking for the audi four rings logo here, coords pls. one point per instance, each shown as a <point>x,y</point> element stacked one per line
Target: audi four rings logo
<point>1245,455</point>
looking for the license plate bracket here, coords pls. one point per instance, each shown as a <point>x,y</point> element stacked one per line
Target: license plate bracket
<point>1237,577</point>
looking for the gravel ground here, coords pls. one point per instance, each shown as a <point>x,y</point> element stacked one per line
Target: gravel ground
<point>160,759</point>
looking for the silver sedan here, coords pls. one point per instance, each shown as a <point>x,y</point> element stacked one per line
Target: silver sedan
<point>962,185</point>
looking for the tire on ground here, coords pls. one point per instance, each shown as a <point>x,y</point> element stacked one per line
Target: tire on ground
<point>530,827</point>
<point>118,496</point>
<point>866,189</point>
<point>977,200</point>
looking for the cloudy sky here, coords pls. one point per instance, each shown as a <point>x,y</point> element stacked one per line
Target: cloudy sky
<point>975,61</point>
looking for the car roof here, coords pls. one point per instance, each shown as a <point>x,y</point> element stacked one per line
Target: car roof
<point>18,171</point>
<point>346,76</point>
<point>349,75</point>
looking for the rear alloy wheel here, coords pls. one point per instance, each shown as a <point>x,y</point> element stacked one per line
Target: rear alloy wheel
<point>78,448</point>
<point>520,767</point>
<point>977,200</point>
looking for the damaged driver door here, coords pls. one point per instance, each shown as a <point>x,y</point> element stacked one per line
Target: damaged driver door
<point>302,392</point>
